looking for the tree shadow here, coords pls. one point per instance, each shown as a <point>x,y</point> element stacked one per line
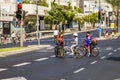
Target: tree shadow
<point>114,58</point>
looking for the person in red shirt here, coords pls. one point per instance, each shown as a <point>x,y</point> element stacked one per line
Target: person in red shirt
<point>61,39</point>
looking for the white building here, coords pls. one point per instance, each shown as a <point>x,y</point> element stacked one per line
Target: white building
<point>91,6</point>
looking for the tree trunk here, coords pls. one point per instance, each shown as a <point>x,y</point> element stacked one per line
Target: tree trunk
<point>118,21</point>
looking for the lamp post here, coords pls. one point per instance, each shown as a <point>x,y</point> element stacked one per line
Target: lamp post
<point>37,24</point>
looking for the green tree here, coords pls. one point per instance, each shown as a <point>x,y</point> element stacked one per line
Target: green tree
<point>92,18</point>
<point>58,14</point>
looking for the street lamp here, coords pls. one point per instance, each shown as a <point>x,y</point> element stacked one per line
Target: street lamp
<point>37,24</point>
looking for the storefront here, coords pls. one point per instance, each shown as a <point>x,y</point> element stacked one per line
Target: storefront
<point>7,25</point>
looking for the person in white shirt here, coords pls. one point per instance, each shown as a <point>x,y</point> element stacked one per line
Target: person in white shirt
<point>13,37</point>
<point>74,43</point>
<point>56,32</point>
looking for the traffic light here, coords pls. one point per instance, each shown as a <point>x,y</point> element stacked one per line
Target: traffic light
<point>19,11</point>
<point>99,15</point>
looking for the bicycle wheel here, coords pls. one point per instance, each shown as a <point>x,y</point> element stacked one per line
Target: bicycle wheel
<point>84,50</point>
<point>56,51</point>
<point>95,51</point>
<point>61,52</point>
<point>79,52</point>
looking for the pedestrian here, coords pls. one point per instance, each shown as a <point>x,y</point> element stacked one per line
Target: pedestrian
<point>13,37</point>
<point>2,39</point>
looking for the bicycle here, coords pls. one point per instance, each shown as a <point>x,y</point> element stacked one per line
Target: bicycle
<point>59,51</point>
<point>93,50</point>
<point>77,51</point>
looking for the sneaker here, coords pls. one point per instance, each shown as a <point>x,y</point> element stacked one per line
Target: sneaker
<point>71,54</point>
<point>89,55</point>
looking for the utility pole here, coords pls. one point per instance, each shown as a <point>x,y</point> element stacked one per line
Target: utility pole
<point>37,24</point>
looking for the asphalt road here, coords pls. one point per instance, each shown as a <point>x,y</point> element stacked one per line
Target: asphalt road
<point>42,64</point>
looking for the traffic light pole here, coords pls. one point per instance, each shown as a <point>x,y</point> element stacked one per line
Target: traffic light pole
<point>21,33</point>
<point>37,19</point>
<point>100,32</point>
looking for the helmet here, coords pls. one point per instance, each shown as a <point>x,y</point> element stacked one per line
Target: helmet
<point>75,34</point>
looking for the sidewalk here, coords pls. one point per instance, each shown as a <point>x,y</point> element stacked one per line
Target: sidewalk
<point>25,49</point>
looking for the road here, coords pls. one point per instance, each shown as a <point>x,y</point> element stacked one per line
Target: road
<point>42,64</point>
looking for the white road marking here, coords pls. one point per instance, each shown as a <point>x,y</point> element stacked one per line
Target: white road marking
<point>16,78</point>
<point>3,69</point>
<point>108,48</point>
<point>118,48</point>
<point>115,50</point>
<point>52,56</point>
<point>50,48</point>
<point>103,57</point>
<point>110,54</point>
<point>22,64</point>
<point>117,79</point>
<point>62,79</point>
<point>79,70</point>
<point>41,59</point>
<point>94,62</point>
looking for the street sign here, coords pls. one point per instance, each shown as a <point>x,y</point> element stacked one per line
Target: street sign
<point>112,25</point>
<point>19,1</point>
<point>99,8</point>
<point>99,29</point>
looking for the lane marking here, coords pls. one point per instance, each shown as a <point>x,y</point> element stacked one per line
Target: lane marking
<point>118,48</point>
<point>62,79</point>
<point>22,64</point>
<point>50,48</point>
<point>41,59</point>
<point>15,78</point>
<point>117,79</point>
<point>103,57</point>
<point>52,56</point>
<point>94,62</point>
<point>115,50</point>
<point>3,69</point>
<point>79,70</point>
<point>110,54</point>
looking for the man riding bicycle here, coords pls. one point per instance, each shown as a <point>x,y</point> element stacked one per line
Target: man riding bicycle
<point>74,43</point>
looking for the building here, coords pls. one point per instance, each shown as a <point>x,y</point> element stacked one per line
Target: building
<point>91,6</point>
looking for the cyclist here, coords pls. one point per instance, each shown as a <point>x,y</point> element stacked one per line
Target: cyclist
<point>56,36</point>
<point>61,39</point>
<point>74,43</point>
<point>88,42</point>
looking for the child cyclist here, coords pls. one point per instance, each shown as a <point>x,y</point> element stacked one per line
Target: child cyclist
<point>88,42</point>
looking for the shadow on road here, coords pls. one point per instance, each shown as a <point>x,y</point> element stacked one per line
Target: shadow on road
<point>114,58</point>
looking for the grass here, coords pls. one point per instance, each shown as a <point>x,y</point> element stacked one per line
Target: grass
<point>10,49</point>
